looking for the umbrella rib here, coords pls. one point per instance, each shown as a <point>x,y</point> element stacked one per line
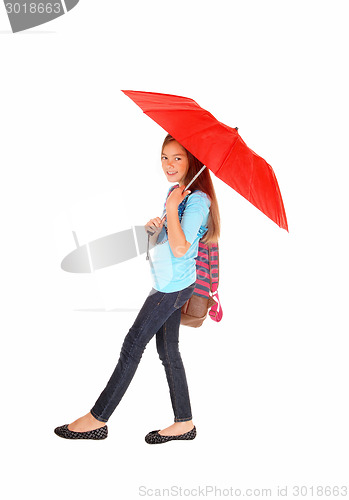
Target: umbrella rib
<point>210,127</point>
<point>227,155</point>
<point>252,170</point>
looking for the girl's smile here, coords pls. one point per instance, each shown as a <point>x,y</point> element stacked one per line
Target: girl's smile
<point>174,162</point>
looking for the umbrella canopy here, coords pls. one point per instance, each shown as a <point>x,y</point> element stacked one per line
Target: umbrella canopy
<point>217,146</point>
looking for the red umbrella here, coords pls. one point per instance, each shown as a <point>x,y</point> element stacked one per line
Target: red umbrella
<point>217,146</point>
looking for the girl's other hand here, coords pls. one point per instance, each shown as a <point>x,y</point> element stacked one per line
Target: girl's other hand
<point>154,225</point>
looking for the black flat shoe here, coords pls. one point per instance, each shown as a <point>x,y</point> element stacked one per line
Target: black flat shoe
<point>64,432</point>
<point>154,437</point>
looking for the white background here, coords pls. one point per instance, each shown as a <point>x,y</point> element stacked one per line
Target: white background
<point>268,383</point>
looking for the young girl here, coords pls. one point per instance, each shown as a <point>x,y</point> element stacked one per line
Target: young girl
<point>173,273</point>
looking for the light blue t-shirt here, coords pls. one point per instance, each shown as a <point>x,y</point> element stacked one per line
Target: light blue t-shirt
<point>170,273</point>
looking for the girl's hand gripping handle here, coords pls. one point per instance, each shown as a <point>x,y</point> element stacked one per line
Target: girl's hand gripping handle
<point>154,226</point>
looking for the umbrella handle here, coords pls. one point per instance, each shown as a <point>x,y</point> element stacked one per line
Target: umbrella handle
<point>190,183</point>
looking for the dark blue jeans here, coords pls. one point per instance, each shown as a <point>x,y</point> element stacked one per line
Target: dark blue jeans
<point>160,315</point>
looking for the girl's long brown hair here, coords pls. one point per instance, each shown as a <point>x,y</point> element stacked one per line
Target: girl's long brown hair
<point>204,183</point>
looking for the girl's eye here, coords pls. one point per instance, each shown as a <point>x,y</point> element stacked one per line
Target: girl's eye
<point>177,158</point>
<point>163,158</point>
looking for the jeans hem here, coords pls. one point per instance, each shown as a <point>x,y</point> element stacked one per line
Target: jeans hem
<point>183,419</point>
<point>100,419</point>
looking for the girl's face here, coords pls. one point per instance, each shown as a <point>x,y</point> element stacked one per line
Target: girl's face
<point>175,163</point>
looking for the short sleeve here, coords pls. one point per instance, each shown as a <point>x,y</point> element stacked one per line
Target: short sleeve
<point>195,213</point>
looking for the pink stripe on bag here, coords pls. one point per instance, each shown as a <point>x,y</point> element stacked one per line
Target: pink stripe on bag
<point>201,263</point>
<point>203,254</point>
<point>203,283</point>
<point>203,272</point>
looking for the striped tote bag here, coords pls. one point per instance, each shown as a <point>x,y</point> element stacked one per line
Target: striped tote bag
<point>205,297</point>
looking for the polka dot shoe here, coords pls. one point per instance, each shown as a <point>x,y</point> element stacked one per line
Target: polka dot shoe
<point>154,437</point>
<point>64,432</point>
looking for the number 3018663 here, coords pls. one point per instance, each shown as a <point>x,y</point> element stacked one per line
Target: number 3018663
<point>33,8</point>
